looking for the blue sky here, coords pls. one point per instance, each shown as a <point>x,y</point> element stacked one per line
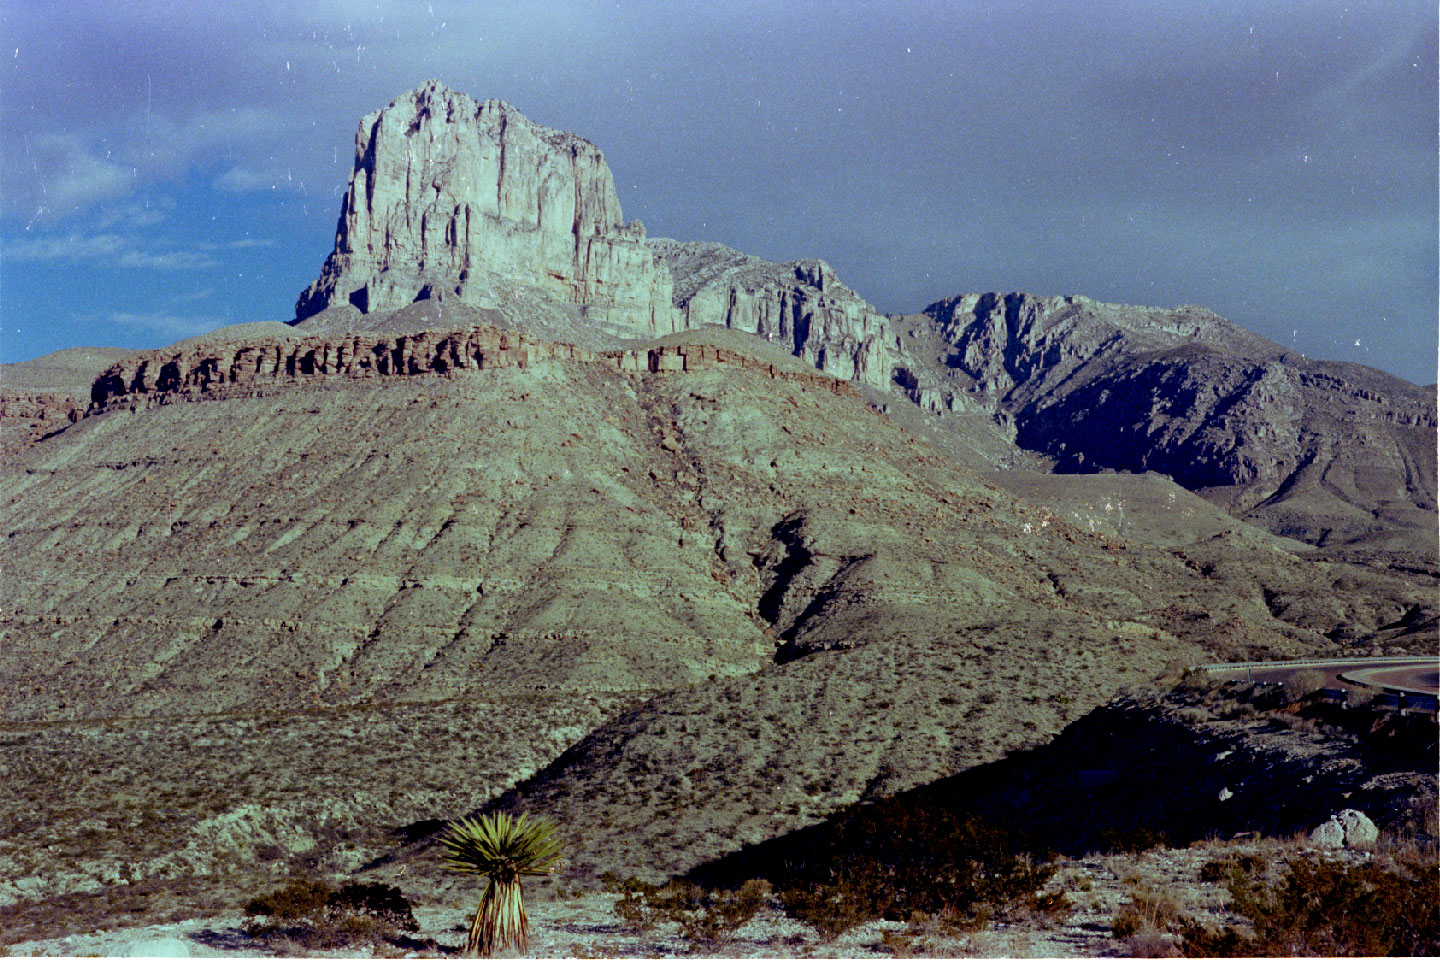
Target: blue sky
<point>170,167</point>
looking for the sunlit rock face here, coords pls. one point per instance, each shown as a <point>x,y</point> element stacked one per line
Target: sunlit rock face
<point>801,305</point>
<point>459,201</point>
<point>451,198</point>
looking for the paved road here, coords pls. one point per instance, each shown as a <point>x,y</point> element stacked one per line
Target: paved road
<point>1410,675</point>
<point>1422,678</point>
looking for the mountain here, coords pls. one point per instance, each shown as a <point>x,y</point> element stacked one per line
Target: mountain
<point>286,598</point>
<point>459,203</point>
<point>461,211</point>
<point>1338,455</point>
<point>450,198</point>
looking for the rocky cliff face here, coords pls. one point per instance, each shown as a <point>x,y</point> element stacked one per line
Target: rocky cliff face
<point>241,368</point>
<point>450,197</point>
<point>1318,451</point>
<point>474,205</point>
<point>801,305</point>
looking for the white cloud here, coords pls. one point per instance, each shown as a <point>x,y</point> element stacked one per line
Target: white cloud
<point>59,174</point>
<point>169,260</point>
<point>103,250</point>
<point>169,146</point>
<point>242,180</point>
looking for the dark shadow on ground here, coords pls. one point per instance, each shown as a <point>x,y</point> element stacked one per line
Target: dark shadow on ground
<point>1129,776</point>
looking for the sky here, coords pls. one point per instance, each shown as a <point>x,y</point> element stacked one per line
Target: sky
<point>169,167</point>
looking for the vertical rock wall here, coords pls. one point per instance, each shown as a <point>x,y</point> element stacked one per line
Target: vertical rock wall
<point>448,195</point>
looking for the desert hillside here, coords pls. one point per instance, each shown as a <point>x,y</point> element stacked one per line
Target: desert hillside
<point>689,551</point>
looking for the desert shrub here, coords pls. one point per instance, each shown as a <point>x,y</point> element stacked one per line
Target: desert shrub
<point>299,901</point>
<point>1300,685</point>
<point>1218,871</point>
<point>1150,943</point>
<point>1149,911</point>
<point>1132,839</point>
<point>904,856</point>
<point>310,913</point>
<point>1326,908</point>
<point>708,918</point>
<point>638,903</point>
<point>830,908</point>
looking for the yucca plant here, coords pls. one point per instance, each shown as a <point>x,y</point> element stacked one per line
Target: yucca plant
<point>503,849</point>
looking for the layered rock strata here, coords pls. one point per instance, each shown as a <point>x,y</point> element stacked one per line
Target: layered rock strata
<point>801,304</point>
<point>44,409</point>
<point>26,418</point>
<point>448,195</point>
<point>232,368</point>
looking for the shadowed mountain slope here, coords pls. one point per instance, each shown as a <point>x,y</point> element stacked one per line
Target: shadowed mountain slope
<point>1330,453</point>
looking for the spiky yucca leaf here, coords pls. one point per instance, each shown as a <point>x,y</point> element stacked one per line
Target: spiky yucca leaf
<point>504,849</point>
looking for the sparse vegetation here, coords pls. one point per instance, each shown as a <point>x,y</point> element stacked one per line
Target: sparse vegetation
<point>902,857</point>
<point>312,914</point>
<point>1383,907</point>
<point>708,919</point>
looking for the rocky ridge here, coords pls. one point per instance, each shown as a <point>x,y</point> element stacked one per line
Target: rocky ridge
<point>449,194</point>
<point>801,304</point>
<point>232,369</point>
<point>1324,452</point>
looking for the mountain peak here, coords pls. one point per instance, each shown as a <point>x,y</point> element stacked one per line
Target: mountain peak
<point>451,198</point>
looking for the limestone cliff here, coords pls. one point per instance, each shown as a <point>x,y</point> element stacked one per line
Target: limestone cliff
<point>474,205</point>
<point>450,197</point>
<point>802,305</point>
<point>243,368</point>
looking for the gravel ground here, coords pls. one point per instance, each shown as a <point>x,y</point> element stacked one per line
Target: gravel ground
<point>1096,887</point>
<point>584,927</point>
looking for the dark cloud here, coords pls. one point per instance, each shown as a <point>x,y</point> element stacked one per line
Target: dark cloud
<point>1273,160</point>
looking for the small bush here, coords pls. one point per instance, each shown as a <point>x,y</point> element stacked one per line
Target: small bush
<point>904,856</point>
<point>1324,908</point>
<point>1132,839</point>
<point>831,908</point>
<point>1150,943</point>
<point>1300,685</point>
<point>1148,911</point>
<point>707,918</point>
<point>314,915</point>
<point>1246,864</point>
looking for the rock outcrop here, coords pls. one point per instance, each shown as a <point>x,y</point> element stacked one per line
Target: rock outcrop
<point>1325,452</point>
<point>472,204</point>
<point>237,368</point>
<point>1349,828</point>
<point>26,418</point>
<point>450,197</point>
<point>801,305</point>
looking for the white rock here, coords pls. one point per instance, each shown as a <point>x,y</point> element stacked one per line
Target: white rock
<point>448,194</point>
<point>162,947</point>
<point>1329,834</point>
<point>1360,831</point>
<point>1348,828</point>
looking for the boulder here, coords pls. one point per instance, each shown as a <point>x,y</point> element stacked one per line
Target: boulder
<point>1349,829</point>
